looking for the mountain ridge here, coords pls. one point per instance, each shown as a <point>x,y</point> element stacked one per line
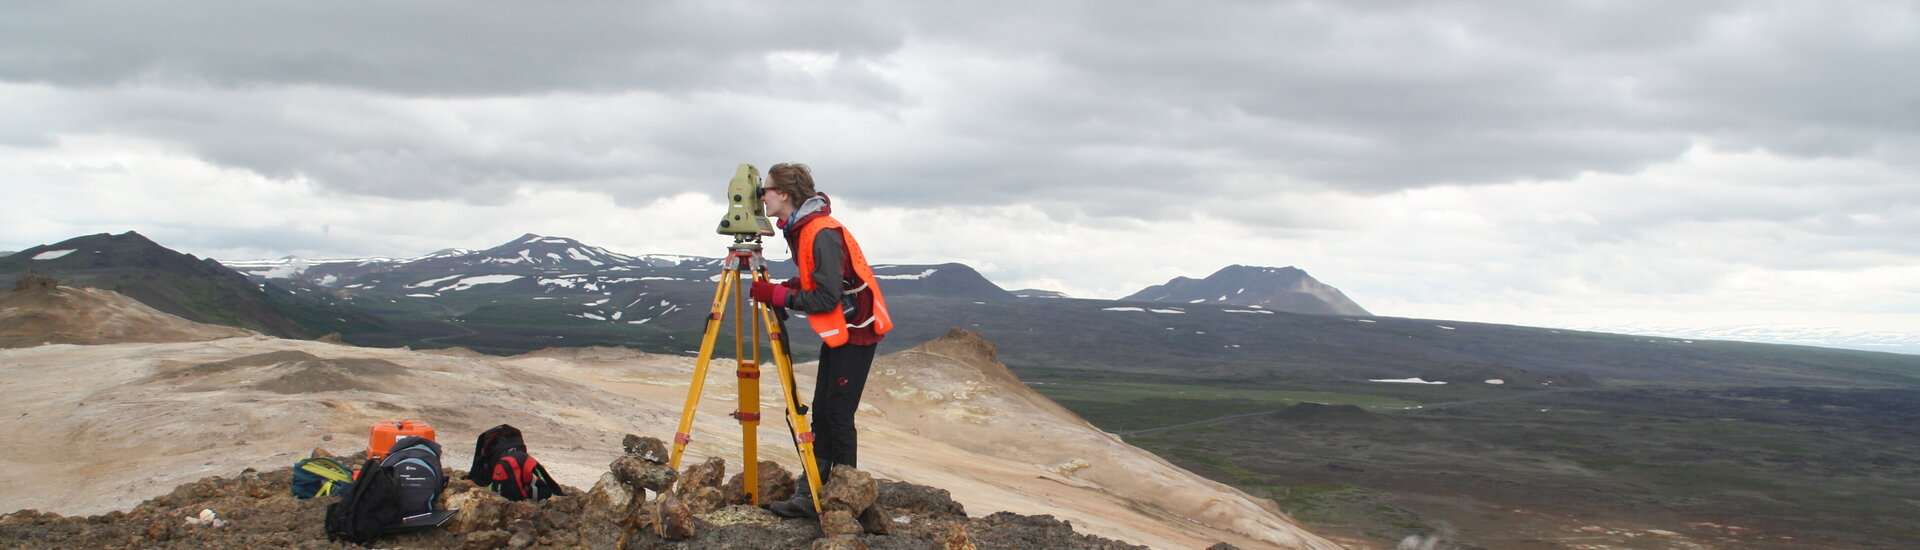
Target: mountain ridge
<point>180,284</point>
<point>1289,289</point>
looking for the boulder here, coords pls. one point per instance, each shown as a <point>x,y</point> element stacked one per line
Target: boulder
<point>705,474</point>
<point>918,500</point>
<point>705,499</point>
<point>850,490</point>
<point>478,511</point>
<point>671,519</point>
<point>610,497</point>
<point>839,522</point>
<point>776,484</point>
<point>642,474</point>
<point>645,448</point>
<point>876,520</point>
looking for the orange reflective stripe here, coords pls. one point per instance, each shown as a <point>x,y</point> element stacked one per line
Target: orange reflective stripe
<point>832,324</point>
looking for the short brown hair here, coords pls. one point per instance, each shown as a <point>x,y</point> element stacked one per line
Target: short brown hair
<point>794,179</point>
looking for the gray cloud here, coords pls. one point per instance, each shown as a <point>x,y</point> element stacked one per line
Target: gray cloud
<point>1118,111</point>
<point>425,48</point>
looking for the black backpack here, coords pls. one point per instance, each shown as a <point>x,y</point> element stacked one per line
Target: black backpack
<point>501,463</point>
<point>415,462</point>
<point>372,503</point>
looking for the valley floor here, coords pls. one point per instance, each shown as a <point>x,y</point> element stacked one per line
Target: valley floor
<point>1647,467</point>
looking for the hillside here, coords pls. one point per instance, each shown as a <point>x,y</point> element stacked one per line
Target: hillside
<point>138,418</point>
<point>37,312</point>
<point>185,286</point>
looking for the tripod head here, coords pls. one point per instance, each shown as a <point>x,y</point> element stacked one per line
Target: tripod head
<point>746,217</point>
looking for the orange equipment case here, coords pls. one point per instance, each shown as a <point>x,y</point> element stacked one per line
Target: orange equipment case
<point>385,434</point>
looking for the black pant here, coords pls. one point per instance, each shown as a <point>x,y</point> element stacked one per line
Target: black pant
<point>836,396</point>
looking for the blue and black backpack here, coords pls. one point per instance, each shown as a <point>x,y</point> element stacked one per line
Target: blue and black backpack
<point>415,462</point>
<point>319,477</point>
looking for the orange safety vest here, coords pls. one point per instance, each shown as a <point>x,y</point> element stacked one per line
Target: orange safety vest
<point>832,324</point>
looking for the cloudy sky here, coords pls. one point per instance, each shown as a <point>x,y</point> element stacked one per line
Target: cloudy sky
<point>1740,169</point>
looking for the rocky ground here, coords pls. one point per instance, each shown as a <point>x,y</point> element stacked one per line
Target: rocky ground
<point>638,503</point>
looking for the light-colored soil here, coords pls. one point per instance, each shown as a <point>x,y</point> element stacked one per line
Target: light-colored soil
<point>102,427</point>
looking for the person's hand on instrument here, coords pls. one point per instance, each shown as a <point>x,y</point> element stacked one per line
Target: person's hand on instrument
<point>770,294</point>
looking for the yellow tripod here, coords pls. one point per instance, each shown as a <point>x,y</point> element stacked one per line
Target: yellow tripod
<point>742,257</point>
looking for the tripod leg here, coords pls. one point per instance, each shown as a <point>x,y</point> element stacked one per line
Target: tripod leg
<point>728,280</point>
<point>796,422</point>
<point>748,413</point>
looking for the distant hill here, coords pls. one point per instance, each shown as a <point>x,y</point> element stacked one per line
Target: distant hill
<point>1038,293</point>
<point>1287,289</point>
<point>948,280</point>
<point>475,299</point>
<point>539,291</point>
<point>183,285</point>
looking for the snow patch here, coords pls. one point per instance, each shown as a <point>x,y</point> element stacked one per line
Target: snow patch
<point>920,275</point>
<point>1496,381</point>
<point>431,282</point>
<point>471,282</point>
<point>1122,309</point>
<point>1444,327</point>
<point>575,253</point>
<point>1166,311</point>
<point>1415,380</point>
<point>53,254</point>
<point>423,295</point>
<point>1248,311</point>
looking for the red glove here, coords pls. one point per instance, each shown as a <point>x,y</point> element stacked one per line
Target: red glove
<point>769,293</point>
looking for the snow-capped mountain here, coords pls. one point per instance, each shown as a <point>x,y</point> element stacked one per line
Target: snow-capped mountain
<point>1286,289</point>
<point>543,252</point>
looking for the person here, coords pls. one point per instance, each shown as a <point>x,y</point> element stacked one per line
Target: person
<point>841,297</point>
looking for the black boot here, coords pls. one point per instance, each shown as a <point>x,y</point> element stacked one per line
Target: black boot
<point>800,506</point>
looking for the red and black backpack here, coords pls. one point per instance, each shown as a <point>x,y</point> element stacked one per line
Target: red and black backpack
<point>501,463</point>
